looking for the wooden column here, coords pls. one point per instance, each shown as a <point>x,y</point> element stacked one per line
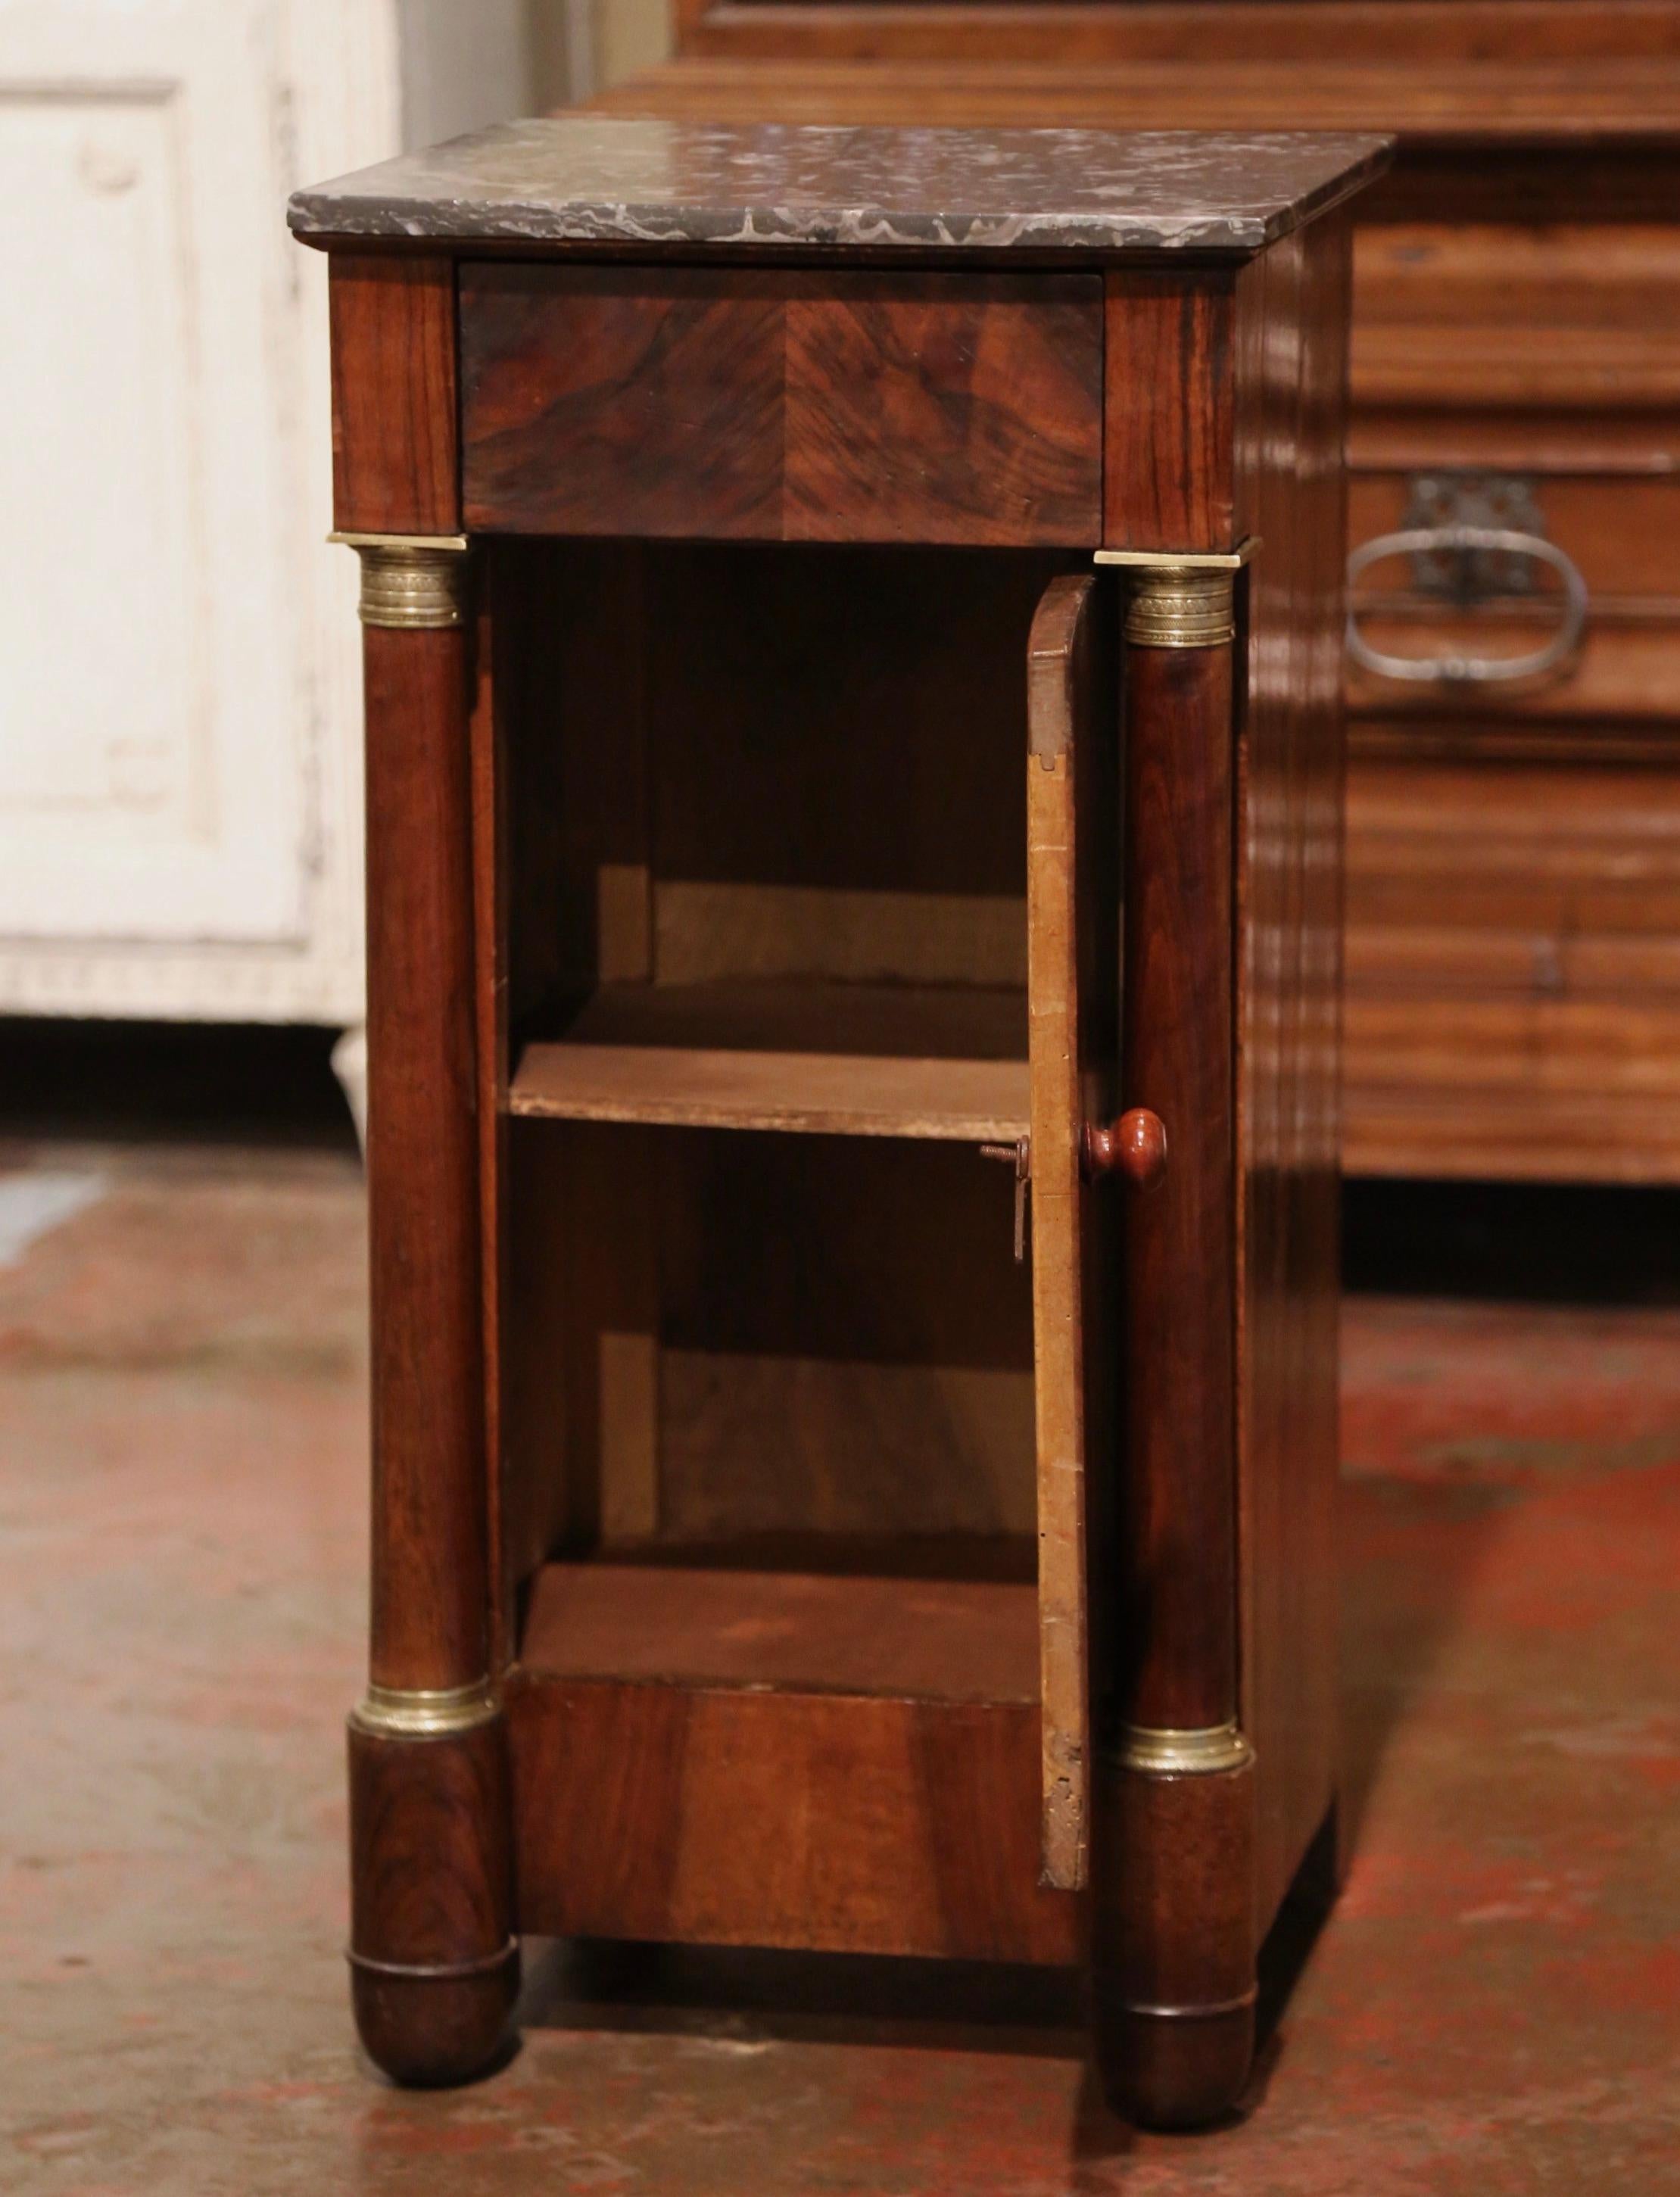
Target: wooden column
<point>433,1960</point>
<point>1173,1824</point>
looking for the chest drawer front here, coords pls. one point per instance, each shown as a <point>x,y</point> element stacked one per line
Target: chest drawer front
<point>1555,316</point>
<point>791,408</point>
<point>1622,536</point>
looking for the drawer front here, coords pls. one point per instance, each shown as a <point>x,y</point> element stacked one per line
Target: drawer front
<point>1622,534</point>
<point>1545,355</point>
<point>1561,318</point>
<point>1513,971</point>
<point>792,407</point>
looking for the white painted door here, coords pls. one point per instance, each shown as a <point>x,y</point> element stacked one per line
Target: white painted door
<point>154,703</point>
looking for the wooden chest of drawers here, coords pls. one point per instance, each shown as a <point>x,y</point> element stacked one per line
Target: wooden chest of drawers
<point>1513,956</point>
<point>1514,892</point>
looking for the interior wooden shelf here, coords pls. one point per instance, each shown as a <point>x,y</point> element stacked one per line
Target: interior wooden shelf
<point>921,1640</point>
<point>827,1059</point>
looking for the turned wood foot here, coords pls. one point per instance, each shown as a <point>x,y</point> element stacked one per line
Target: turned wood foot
<point>428,2028</point>
<point>1173,2069</point>
<point>434,1965</point>
<point>1173,1983</point>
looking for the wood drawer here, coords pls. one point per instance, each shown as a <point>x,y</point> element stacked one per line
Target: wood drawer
<point>1574,317</point>
<point>1513,971</point>
<point>785,407</point>
<point>1622,534</point>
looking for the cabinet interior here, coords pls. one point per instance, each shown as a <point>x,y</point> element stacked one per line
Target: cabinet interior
<point>763,948</point>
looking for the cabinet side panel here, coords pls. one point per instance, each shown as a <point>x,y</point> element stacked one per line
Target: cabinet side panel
<point>1293,304</point>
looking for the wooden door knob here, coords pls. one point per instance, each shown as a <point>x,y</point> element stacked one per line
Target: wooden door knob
<point>1135,1146</point>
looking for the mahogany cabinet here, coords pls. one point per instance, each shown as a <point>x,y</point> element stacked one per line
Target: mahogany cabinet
<point>1513,941</point>
<point>853,643</point>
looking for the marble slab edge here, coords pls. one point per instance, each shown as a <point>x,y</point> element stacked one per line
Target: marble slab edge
<point>376,208</point>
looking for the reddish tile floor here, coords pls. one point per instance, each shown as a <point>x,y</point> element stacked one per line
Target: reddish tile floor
<point>1494,2006</point>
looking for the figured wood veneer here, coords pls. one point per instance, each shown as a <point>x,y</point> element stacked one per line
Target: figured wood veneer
<point>914,1831</point>
<point>795,408</point>
<point>902,1712</point>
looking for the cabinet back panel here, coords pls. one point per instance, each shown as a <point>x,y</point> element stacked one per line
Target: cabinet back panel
<point>783,769</point>
<point>714,1336</point>
<point>848,1343</point>
<point>734,761</point>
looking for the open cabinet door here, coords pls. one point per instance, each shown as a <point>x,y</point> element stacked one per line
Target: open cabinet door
<point>1073,943</point>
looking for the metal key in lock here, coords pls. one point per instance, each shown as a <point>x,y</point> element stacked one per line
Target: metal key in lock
<point>1019,1156</point>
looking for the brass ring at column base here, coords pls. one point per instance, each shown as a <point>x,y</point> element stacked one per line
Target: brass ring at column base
<point>425,1712</point>
<point>1201,1752</point>
<point>1179,607</point>
<point>412,582</point>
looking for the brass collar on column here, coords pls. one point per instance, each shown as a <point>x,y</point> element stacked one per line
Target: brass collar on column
<point>412,582</point>
<point>1181,598</point>
<point>1160,1752</point>
<point>426,1712</point>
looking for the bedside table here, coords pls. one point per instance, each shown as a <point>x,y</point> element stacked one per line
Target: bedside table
<point>853,644</point>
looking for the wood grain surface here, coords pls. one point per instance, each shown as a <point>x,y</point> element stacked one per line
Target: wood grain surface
<point>846,1340</point>
<point>729,1815</point>
<point>434,1969</point>
<point>940,1061</point>
<point>814,1093</point>
<point>843,407</point>
<point>487,785</point>
<point>1076,32</point>
<point>1179,1588</point>
<point>1598,97</point>
<point>1174,1946</point>
<point>1072,988</point>
<point>933,1639</point>
<point>1169,417</point>
<point>430,1623</point>
<point>1289,829</point>
<point>395,468</point>
<point>834,1059</point>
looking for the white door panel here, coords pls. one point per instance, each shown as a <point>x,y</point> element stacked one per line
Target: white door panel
<point>153,705</point>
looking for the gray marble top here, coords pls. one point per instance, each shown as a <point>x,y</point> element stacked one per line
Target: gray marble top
<point>582,179</point>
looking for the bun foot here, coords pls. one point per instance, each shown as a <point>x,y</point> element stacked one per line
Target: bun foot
<point>1173,1973</point>
<point>434,1962</point>
<point>429,2028</point>
<point>1174,2069</point>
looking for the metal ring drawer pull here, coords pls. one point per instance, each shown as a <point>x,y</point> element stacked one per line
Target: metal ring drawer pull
<point>1470,670</point>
